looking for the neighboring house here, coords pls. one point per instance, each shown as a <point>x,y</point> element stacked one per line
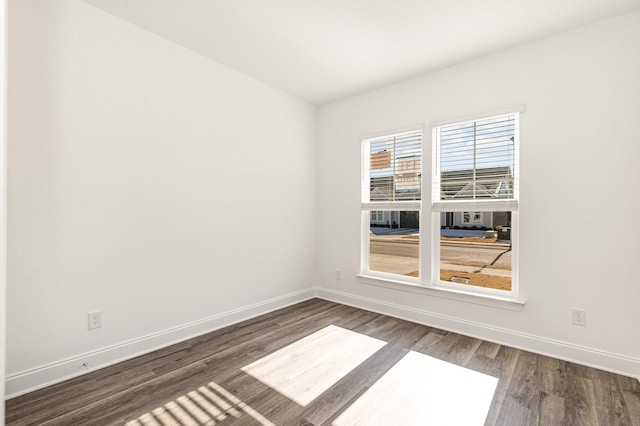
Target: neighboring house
<point>492,182</point>
<point>488,220</point>
<point>382,218</point>
<point>383,188</point>
<point>395,219</point>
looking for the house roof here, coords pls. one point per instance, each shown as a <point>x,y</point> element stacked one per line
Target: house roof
<point>382,189</point>
<point>491,182</point>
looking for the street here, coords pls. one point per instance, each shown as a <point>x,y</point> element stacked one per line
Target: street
<point>495,255</point>
<point>486,264</point>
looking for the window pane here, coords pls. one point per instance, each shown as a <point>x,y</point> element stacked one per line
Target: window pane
<point>477,159</point>
<point>394,243</point>
<point>475,249</point>
<point>395,167</point>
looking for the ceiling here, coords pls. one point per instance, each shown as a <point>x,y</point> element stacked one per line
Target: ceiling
<point>325,50</point>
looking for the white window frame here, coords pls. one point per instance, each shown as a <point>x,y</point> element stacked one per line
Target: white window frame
<point>473,205</point>
<point>366,206</point>
<point>428,282</point>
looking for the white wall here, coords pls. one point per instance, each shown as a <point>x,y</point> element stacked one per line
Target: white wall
<point>3,197</point>
<point>145,181</point>
<point>579,168</point>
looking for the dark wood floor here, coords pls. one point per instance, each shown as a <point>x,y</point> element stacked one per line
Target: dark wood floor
<point>203,380</point>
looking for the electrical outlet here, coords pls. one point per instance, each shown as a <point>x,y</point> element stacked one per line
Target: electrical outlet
<point>95,320</point>
<point>579,317</point>
<point>338,275</point>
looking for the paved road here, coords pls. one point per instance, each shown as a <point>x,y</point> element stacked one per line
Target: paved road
<point>496,256</point>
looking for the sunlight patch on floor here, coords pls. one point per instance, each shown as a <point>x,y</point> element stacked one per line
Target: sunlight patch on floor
<point>208,405</point>
<point>305,369</point>
<point>422,390</point>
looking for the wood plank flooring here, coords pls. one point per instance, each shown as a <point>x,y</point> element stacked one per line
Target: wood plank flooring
<point>213,379</point>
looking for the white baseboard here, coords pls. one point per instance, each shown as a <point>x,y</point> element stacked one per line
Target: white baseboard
<point>46,375</point>
<point>590,357</point>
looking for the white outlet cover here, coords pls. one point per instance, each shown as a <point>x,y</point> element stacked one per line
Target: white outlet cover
<point>579,317</point>
<point>95,320</point>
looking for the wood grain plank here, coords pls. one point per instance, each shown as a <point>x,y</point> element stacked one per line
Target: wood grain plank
<point>611,407</point>
<point>551,410</point>
<point>580,404</point>
<point>488,349</point>
<point>553,375</point>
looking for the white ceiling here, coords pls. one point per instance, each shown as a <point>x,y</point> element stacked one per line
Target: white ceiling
<point>325,50</point>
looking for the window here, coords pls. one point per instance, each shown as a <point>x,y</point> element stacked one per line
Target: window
<point>391,194</point>
<point>471,217</point>
<point>377,216</point>
<point>472,187</point>
<point>475,204</point>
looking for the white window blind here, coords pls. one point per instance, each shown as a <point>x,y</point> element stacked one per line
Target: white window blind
<point>477,160</point>
<point>393,170</point>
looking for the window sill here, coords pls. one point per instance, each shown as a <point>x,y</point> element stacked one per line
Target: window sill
<point>508,303</point>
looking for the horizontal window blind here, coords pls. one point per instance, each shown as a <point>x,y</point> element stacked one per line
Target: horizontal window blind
<point>477,159</point>
<point>395,167</point>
